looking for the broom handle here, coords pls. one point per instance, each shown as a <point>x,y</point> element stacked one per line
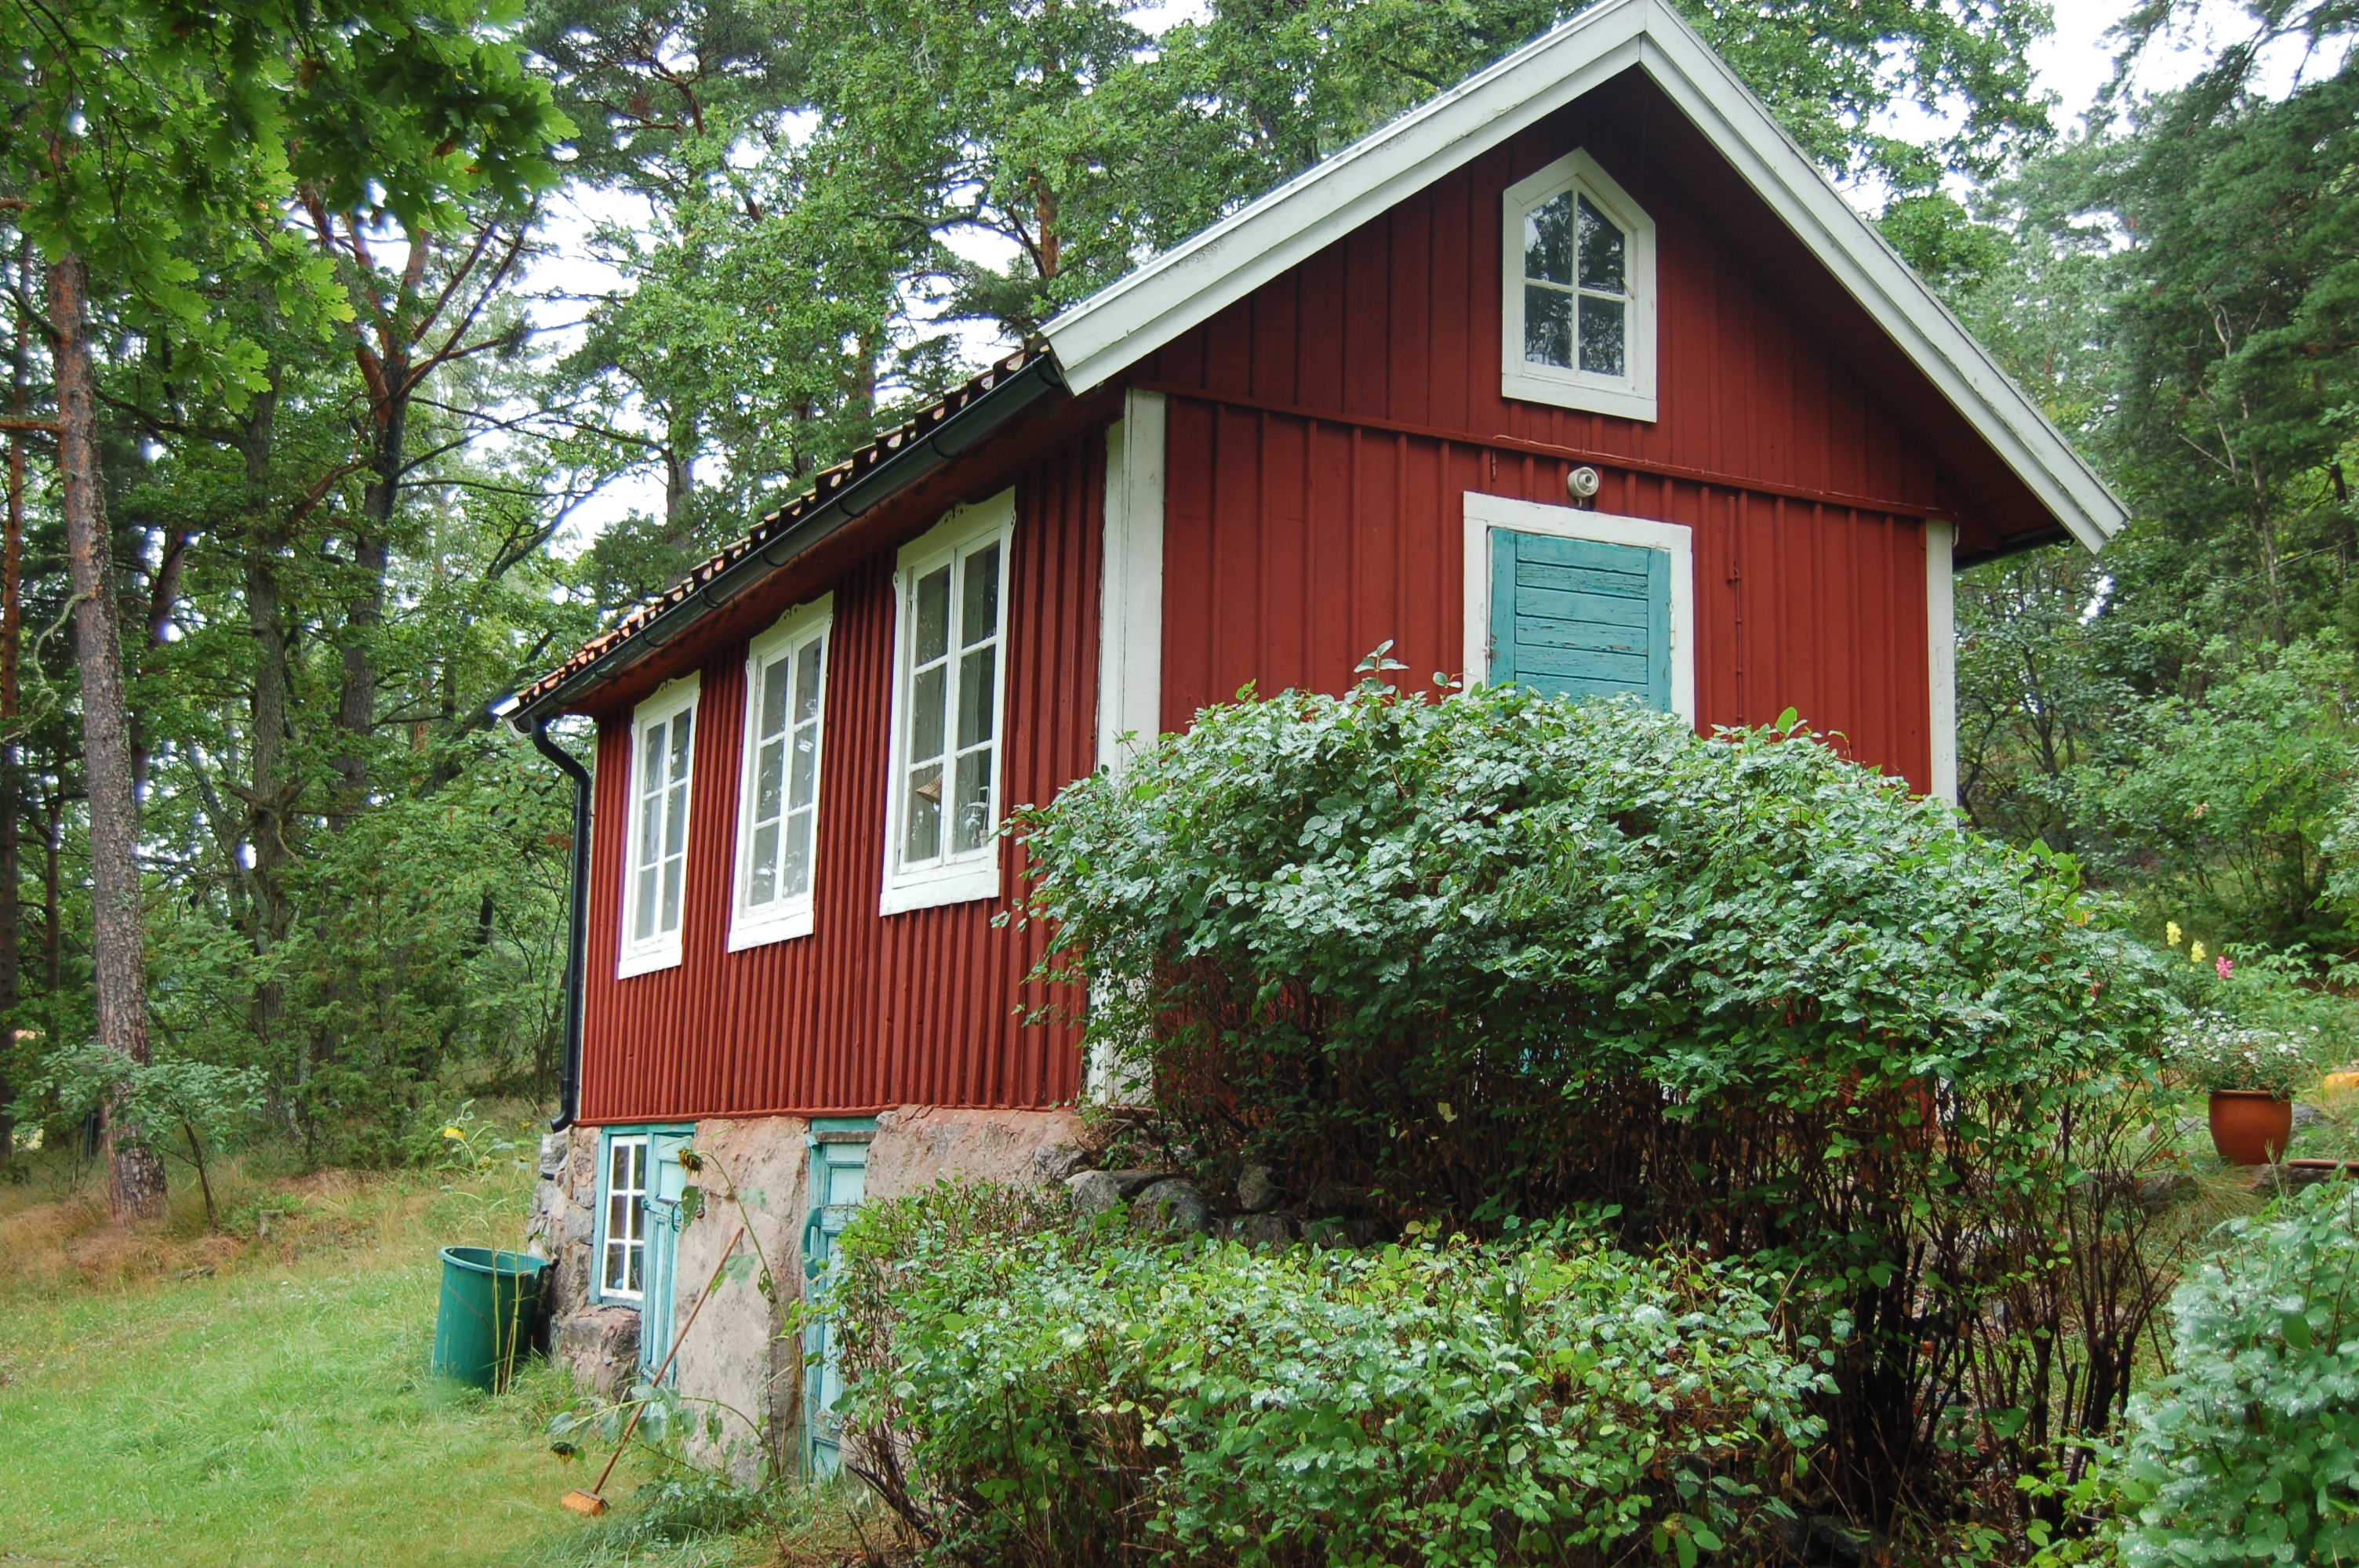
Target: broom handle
<point>656,1381</point>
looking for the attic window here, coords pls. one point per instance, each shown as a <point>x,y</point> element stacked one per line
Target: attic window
<point>1579,296</point>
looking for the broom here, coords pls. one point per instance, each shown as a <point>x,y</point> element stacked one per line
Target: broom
<point>592,1502</point>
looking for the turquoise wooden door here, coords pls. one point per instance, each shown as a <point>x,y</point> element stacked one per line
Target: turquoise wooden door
<point>1577,618</point>
<point>666,1184</point>
<point>839,1181</point>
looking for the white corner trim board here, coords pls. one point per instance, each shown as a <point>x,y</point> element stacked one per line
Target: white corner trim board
<point>659,947</point>
<point>1941,656</point>
<point>1485,513</point>
<point>1123,323</point>
<point>949,877</point>
<point>788,916</point>
<point>1130,602</point>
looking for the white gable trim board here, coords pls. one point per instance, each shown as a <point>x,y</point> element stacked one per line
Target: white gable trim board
<point>1116,327</point>
<point>1485,514</point>
<point>1941,656</point>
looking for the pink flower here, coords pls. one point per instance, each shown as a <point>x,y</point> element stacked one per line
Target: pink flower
<point>2226,967</point>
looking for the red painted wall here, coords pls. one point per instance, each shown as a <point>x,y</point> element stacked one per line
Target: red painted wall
<point>1324,429</point>
<point>868,1011</point>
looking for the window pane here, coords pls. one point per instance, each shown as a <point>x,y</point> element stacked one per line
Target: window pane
<point>769,779</point>
<point>634,1269</point>
<point>976,672</point>
<point>1601,335</point>
<point>804,782</point>
<point>675,818</point>
<point>979,613</point>
<point>1601,251</point>
<point>972,827</point>
<point>679,739</point>
<point>643,916</point>
<point>933,634</point>
<point>806,683</point>
<point>669,918</point>
<point>638,1147</point>
<point>926,703</point>
<point>1547,240</point>
<point>1548,326</point>
<point>924,839</point>
<point>618,1166</point>
<point>651,758</point>
<point>612,1279</point>
<point>794,878</point>
<point>774,699</point>
<point>762,886</point>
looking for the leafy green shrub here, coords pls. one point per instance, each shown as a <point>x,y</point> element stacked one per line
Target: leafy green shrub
<point>1500,954</point>
<point>2249,1451</point>
<point>1035,1390</point>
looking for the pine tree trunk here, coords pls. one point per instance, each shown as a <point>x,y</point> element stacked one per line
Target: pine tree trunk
<point>118,935</point>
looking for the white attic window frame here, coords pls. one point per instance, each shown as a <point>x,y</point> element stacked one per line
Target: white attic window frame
<point>1628,395</point>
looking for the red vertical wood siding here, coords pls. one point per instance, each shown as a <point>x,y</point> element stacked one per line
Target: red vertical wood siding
<point>1324,430</point>
<point>868,1011</point>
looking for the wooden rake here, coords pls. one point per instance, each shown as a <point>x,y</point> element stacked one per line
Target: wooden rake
<point>593,1502</point>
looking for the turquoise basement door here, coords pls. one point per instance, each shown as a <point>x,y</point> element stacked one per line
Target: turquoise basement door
<point>666,1184</point>
<point>838,1182</point>
<point>1577,618</point>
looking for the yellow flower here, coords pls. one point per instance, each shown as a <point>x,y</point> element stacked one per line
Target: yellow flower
<point>452,1132</point>
<point>2195,954</point>
<point>2170,932</point>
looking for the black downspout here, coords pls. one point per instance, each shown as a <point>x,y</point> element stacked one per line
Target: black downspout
<point>577,950</point>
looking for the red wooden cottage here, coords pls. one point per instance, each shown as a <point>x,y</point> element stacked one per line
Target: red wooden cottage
<point>1593,310</point>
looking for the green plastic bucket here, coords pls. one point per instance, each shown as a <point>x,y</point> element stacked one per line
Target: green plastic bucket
<point>489,1302</point>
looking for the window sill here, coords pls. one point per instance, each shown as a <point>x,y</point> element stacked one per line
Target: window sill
<point>760,933</point>
<point>647,961</point>
<point>939,885</point>
<point>1620,400</point>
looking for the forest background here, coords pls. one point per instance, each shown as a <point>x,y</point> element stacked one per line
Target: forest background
<point>304,427</point>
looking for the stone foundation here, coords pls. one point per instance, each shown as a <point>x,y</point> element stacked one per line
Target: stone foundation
<point>732,1364</point>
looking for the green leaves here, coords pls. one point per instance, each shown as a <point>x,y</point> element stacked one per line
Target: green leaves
<point>1068,1393</point>
<point>2248,1451</point>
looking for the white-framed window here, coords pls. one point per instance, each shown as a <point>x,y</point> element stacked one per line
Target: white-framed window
<point>654,879</point>
<point>941,819</point>
<point>623,1219</point>
<point>1578,315</point>
<point>777,793</point>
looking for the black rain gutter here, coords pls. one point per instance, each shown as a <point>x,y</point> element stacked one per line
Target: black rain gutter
<point>577,943</point>
<point>954,437</point>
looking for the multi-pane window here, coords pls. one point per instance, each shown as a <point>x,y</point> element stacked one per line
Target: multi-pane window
<point>1579,300</point>
<point>953,740</point>
<point>663,753</point>
<point>1576,286</point>
<point>778,825</point>
<point>949,692</point>
<point>623,1264</point>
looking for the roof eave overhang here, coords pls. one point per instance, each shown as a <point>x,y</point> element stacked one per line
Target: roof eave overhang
<point>988,414</point>
<point>1115,327</point>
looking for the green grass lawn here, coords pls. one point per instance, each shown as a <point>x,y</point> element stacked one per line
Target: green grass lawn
<point>181,1398</point>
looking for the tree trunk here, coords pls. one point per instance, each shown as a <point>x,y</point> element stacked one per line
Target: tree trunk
<point>118,935</point>
<point>269,792</point>
<point>364,612</point>
<point>11,914</point>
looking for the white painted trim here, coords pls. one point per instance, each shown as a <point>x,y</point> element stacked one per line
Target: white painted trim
<point>1630,396</point>
<point>599,1192</point>
<point>1122,323</point>
<point>952,878</point>
<point>1485,513</point>
<point>789,917</point>
<point>1942,655</point>
<point>662,951</point>
<point>1130,597</point>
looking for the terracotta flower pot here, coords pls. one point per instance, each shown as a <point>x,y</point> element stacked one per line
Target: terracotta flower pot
<point>2250,1127</point>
